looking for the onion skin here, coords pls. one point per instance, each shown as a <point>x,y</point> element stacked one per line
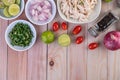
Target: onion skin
<point>112,40</point>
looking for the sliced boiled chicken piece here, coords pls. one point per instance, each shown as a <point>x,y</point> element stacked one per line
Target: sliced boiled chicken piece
<point>77,9</point>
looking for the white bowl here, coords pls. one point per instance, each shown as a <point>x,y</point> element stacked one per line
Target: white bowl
<point>40,22</point>
<point>91,18</point>
<point>8,41</point>
<point>13,17</point>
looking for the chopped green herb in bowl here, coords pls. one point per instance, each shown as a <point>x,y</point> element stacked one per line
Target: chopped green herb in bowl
<point>20,35</point>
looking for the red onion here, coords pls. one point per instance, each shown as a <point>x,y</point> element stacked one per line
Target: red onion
<point>112,40</point>
<point>40,10</point>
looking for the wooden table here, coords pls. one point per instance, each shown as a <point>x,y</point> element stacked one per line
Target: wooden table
<point>75,62</point>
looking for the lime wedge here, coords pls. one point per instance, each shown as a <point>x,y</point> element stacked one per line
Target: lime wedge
<point>17,2</point>
<point>8,2</point>
<point>64,40</point>
<point>47,37</point>
<point>6,13</point>
<point>14,9</point>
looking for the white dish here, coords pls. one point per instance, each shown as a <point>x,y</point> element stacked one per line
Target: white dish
<point>40,22</point>
<point>17,48</point>
<point>91,18</point>
<point>13,17</point>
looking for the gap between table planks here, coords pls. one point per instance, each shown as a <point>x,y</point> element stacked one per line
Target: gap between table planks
<point>75,62</point>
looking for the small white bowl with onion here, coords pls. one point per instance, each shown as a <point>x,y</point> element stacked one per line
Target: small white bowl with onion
<point>11,10</point>
<point>40,12</point>
<point>20,35</point>
<point>79,11</point>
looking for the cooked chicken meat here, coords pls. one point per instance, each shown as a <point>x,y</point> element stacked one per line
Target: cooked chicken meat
<point>77,9</point>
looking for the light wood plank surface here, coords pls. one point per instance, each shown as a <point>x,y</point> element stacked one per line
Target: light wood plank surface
<point>17,62</point>
<point>3,51</point>
<point>114,57</point>
<point>37,58</point>
<point>77,56</point>
<point>75,62</point>
<point>97,59</point>
<point>57,54</point>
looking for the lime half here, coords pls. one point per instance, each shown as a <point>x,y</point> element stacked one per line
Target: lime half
<point>64,40</point>
<point>17,2</point>
<point>47,37</point>
<point>14,9</point>
<point>6,13</point>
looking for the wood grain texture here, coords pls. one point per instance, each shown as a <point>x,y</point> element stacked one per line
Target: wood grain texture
<point>37,58</point>
<point>17,65</point>
<point>97,59</point>
<point>77,56</point>
<point>75,62</point>
<point>114,56</point>
<point>3,51</point>
<point>17,61</point>
<point>57,54</point>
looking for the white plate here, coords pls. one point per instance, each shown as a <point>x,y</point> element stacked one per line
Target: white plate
<point>17,48</point>
<point>91,18</point>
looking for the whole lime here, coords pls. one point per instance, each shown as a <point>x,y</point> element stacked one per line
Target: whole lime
<point>47,37</point>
